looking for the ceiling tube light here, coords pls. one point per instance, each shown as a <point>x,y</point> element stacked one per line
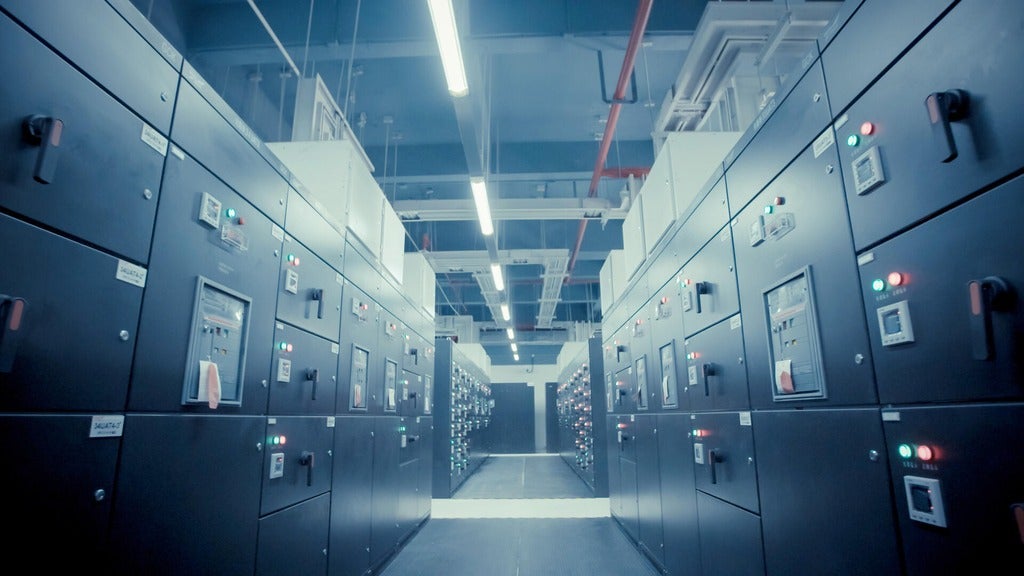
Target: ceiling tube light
<point>499,280</point>
<point>505,312</point>
<point>515,348</point>
<point>443,17</point>
<point>511,333</point>
<point>483,208</point>
<point>516,356</point>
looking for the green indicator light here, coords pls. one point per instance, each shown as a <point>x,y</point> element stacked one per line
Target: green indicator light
<point>230,212</point>
<point>283,345</point>
<point>906,451</point>
<point>768,209</point>
<point>853,140</point>
<point>878,285</point>
<point>291,257</point>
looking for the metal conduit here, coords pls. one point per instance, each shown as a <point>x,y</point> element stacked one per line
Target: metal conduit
<point>643,13</point>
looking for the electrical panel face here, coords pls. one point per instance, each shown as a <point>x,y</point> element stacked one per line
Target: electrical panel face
<point>794,348</point>
<point>304,375</point>
<point>946,125</point>
<point>928,298</point>
<point>216,354</point>
<point>358,378</point>
<point>715,368</point>
<point>85,165</point>
<point>575,415</point>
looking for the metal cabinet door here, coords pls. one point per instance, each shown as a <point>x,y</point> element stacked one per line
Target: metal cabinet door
<point>84,165</point>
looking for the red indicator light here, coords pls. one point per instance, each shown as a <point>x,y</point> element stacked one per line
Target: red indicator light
<point>664,299</point>
<point>621,426</point>
<point>867,129</point>
<point>282,439</point>
<point>895,279</point>
<point>289,348</point>
<point>295,262</point>
<point>241,221</point>
<point>779,201</point>
<point>924,453</point>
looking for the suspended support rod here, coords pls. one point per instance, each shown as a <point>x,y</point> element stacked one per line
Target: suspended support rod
<point>643,13</point>
<point>266,25</point>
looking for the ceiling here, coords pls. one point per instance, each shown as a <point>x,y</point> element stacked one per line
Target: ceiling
<point>532,125</point>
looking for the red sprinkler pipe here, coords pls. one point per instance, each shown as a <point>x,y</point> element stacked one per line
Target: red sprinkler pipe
<point>643,13</point>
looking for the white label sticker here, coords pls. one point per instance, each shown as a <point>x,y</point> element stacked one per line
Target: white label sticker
<point>698,452</point>
<point>277,232</point>
<point>339,279</point>
<point>284,370</point>
<point>177,152</point>
<point>131,273</point>
<point>154,139</point>
<point>841,122</point>
<point>330,421</point>
<point>279,326</point>
<point>106,426</point>
<point>744,418</point>
<point>890,416</point>
<point>824,142</point>
<point>865,258</point>
<point>335,349</point>
<point>735,322</point>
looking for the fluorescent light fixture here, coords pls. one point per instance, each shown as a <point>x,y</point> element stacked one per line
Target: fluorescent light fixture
<point>499,280</point>
<point>505,313</point>
<point>447,34</point>
<point>515,348</point>
<point>483,208</point>
<point>516,356</point>
<point>511,333</point>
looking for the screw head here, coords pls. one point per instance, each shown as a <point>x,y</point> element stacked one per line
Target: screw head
<point>873,455</point>
<point>858,359</point>
<point>99,494</point>
<point>147,194</point>
<point>124,335</point>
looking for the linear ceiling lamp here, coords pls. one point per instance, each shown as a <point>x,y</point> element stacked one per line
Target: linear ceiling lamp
<point>516,357</point>
<point>511,333</point>
<point>515,348</point>
<point>483,207</point>
<point>499,280</point>
<point>447,34</point>
<point>506,314</point>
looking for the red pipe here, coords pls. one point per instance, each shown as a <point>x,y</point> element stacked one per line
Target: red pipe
<point>643,13</point>
<point>634,171</point>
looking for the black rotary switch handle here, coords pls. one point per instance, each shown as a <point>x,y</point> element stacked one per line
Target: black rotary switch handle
<point>45,132</point>
<point>12,318</point>
<point>308,459</point>
<point>707,369</point>
<point>943,108</point>
<point>313,375</point>
<point>701,288</point>
<point>317,295</point>
<point>714,458</point>
<point>983,296</point>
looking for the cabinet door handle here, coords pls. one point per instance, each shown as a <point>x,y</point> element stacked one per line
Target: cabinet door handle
<point>985,295</point>
<point>308,459</point>
<point>45,132</point>
<point>12,316</point>
<point>943,108</point>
